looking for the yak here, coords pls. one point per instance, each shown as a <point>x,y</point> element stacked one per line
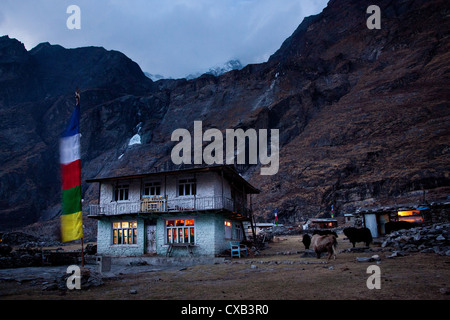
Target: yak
<point>358,235</point>
<point>325,243</point>
<point>306,240</point>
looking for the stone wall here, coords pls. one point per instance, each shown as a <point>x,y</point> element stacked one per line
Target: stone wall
<point>428,239</point>
<point>104,238</point>
<point>209,235</point>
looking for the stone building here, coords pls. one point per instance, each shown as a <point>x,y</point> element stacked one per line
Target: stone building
<point>198,209</point>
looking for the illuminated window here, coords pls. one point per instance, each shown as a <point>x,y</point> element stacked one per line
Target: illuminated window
<point>121,192</point>
<point>407,213</point>
<point>228,229</point>
<point>187,187</point>
<point>125,232</point>
<point>180,231</point>
<point>410,216</point>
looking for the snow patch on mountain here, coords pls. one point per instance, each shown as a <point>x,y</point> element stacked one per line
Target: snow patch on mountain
<point>155,77</point>
<point>219,69</point>
<point>136,139</point>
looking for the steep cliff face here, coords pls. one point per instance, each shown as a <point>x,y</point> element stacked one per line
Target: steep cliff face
<point>363,114</point>
<point>379,131</point>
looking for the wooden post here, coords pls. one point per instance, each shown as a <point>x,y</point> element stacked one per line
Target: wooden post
<point>165,194</point>
<point>251,220</point>
<point>99,192</point>
<point>82,254</point>
<point>195,195</point>
<point>77,96</point>
<point>243,207</point>
<point>223,200</point>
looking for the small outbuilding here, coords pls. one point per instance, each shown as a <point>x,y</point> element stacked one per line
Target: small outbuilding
<point>321,223</point>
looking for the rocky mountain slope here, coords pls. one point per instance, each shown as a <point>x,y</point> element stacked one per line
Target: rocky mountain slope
<point>36,100</point>
<point>363,114</point>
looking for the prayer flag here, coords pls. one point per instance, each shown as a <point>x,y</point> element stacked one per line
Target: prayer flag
<point>71,215</point>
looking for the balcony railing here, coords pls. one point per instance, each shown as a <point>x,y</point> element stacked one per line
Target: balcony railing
<point>158,204</point>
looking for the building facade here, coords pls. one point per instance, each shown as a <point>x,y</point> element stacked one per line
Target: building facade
<point>146,214</point>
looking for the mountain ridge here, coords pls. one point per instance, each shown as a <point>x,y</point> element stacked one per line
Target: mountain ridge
<point>362,116</point>
<point>217,70</point>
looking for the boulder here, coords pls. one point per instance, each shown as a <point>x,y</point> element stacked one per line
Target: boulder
<point>88,279</point>
<point>309,253</point>
<point>396,254</point>
<point>368,259</point>
<point>364,259</point>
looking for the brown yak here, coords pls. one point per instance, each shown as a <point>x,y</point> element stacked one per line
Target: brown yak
<point>325,243</point>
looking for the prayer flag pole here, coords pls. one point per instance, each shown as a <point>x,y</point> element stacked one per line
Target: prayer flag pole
<point>70,163</point>
<point>77,96</point>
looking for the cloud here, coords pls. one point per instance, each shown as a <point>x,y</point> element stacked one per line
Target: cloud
<point>173,38</point>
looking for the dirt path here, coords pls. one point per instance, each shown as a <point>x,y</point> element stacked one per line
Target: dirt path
<point>280,273</point>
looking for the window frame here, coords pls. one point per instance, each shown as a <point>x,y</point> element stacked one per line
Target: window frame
<point>191,234</point>
<point>152,184</point>
<point>131,233</point>
<point>228,229</point>
<point>125,187</point>
<point>233,230</point>
<point>187,181</point>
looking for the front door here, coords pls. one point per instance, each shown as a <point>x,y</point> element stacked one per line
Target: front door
<point>371,224</point>
<point>151,238</point>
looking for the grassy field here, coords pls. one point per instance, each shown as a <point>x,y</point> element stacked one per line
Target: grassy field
<point>280,273</point>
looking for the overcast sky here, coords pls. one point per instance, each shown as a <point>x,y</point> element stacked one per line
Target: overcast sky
<point>169,37</point>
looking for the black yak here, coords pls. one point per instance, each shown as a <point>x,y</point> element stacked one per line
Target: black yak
<point>306,240</point>
<point>358,235</point>
<point>326,243</point>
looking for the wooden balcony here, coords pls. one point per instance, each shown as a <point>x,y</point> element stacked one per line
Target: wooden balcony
<point>162,205</point>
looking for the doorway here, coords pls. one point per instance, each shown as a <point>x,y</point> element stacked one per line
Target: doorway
<point>151,238</point>
<point>371,223</point>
